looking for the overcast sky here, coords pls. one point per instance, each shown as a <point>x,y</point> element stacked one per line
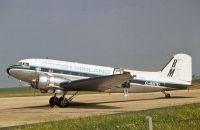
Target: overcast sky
<point>134,34</point>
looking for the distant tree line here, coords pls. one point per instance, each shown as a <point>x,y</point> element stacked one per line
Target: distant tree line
<point>195,76</point>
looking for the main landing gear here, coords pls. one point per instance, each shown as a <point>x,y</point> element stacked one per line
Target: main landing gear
<point>62,101</point>
<point>167,95</point>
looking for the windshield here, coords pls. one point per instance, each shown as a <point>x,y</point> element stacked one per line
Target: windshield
<point>23,64</point>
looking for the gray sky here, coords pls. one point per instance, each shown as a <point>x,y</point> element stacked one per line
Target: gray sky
<point>134,34</point>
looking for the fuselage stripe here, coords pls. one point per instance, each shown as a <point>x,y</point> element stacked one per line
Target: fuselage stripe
<point>59,71</point>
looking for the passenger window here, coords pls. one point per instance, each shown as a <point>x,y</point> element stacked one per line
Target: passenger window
<point>134,76</point>
<point>50,70</point>
<point>32,68</point>
<point>56,71</point>
<point>67,72</point>
<point>38,69</point>
<point>45,70</point>
<point>75,73</point>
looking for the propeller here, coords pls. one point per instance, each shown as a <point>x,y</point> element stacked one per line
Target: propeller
<point>20,83</point>
<point>33,85</point>
<point>34,92</point>
<point>34,82</point>
<point>109,91</point>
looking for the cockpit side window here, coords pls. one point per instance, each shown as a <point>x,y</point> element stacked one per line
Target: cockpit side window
<point>19,63</point>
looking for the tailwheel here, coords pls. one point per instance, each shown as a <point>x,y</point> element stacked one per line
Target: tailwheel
<point>167,95</point>
<point>53,101</point>
<point>63,102</point>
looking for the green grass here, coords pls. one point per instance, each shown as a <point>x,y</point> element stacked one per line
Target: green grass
<point>196,81</point>
<point>173,118</point>
<point>195,84</point>
<point>18,92</point>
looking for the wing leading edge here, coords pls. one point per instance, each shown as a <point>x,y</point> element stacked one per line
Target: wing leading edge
<point>97,84</point>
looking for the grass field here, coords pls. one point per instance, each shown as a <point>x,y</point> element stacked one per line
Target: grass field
<point>18,92</point>
<point>195,84</point>
<point>173,118</point>
<point>196,81</point>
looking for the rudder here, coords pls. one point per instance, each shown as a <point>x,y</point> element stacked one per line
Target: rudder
<point>179,67</point>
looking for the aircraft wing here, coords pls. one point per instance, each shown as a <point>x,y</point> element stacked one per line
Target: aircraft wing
<point>96,84</point>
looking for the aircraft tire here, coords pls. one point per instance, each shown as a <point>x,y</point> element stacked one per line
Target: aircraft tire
<point>63,102</point>
<point>53,101</point>
<point>167,96</point>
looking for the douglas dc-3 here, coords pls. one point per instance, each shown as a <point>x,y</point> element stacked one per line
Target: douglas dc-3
<point>53,76</point>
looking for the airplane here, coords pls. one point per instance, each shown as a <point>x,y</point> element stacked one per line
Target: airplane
<point>54,76</point>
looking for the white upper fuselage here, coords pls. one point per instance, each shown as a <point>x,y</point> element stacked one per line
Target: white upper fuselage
<point>142,81</point>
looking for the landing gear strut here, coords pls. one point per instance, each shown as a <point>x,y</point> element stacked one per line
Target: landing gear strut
<point>167,95</point>
<point>62,101</point>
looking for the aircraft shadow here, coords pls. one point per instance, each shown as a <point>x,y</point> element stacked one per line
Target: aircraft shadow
<point>131,100</point>
<point>99,105</point>
<point>72,105</point>
<point>174,97</point>
<point>91,106</point>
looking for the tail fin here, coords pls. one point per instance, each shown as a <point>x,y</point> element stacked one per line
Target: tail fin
<point>179,67</point>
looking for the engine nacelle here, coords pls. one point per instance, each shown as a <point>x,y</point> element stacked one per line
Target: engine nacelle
<point>44,81</point>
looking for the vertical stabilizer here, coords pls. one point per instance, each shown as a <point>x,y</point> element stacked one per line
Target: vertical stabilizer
<point>179,67</point>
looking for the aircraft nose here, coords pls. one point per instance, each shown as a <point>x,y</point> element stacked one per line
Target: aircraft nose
<point>8,70</point>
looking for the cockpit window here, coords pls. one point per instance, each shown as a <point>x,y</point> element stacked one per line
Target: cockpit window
<point>20,63</point>
<point>23,64</point>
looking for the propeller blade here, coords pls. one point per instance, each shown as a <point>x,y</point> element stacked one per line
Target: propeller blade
<point>34,91</point>
<point>29,88</point>
<point>20,83</point>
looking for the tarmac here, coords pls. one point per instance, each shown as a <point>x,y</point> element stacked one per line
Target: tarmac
<point>16,111</point>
